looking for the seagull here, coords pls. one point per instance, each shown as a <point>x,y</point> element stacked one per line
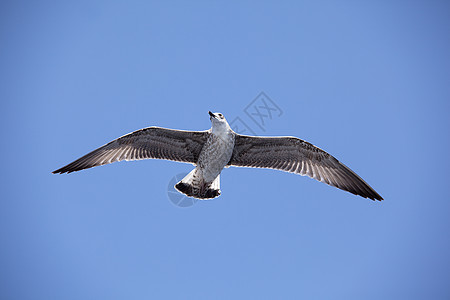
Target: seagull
<point>220,147</point>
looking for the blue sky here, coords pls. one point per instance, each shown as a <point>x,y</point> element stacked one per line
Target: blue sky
<point>367,82</point>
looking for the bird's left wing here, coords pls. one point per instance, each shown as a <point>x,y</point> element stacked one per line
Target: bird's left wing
<point>294,155</point>
<point>151,142</point>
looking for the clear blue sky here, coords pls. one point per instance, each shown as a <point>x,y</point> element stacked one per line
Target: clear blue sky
<point>368,82</point>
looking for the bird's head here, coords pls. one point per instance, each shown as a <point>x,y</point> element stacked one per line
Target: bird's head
<point>219,123</point>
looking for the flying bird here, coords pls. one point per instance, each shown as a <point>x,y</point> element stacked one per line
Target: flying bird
<point>212,150</point>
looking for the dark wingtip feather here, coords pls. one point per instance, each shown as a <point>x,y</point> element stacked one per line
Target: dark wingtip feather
<point>374,196</point>
<point>378,197</point>
<point>61,170</point>
<point>69,169</point>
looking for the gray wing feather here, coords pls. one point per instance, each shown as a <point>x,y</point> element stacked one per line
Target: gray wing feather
<point>294,155</point>
<point>151,142</point>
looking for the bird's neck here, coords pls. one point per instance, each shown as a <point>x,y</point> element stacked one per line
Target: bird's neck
<point>221,130</point>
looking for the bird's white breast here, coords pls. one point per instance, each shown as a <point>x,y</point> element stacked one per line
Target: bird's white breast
<point>216,154</point>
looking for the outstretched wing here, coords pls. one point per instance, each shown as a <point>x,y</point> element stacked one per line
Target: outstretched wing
<point>294,155</point>
<point>151,142</point>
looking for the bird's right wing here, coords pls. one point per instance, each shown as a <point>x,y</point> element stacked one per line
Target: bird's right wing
<point>151,142</point>
<point>294,155</point>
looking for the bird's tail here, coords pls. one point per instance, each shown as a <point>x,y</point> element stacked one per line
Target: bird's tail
<point>193,185</point>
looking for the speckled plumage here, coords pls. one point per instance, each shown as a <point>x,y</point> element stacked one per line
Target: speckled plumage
<point>216,154</point>
<point>204,181</point>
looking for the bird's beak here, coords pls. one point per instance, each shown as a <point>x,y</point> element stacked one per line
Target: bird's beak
<point>211,114</point>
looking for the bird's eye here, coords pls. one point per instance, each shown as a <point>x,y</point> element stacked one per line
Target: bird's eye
<point>220,115</point>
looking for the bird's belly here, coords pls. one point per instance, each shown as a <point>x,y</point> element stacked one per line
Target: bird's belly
<point>214,157</point>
